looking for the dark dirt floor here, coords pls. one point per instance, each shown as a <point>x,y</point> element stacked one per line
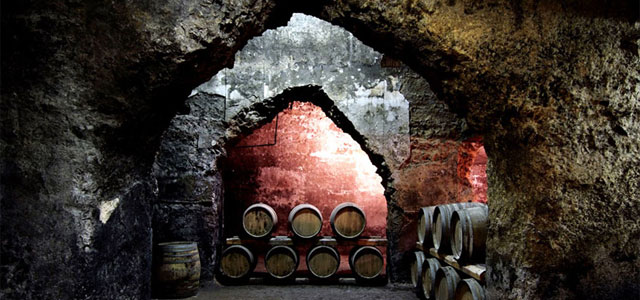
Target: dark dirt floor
<point>342,291</point>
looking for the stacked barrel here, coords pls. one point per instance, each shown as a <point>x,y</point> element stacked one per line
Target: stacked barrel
<point>451,240</point>
<point>281,261</point>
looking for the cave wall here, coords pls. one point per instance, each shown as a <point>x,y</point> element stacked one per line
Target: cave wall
<point>93,84</point>
<point>189,203</point>
<point>552,86</point>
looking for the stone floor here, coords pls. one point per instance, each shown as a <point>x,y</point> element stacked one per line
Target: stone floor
<point>342,291</point>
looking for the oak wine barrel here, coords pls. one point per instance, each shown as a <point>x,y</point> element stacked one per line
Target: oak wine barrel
<point>447,280</point>
<point>281,262</point>
<point>442,222</point>
<point>425,220</point>
<point>259,220</point>
<point>177,270</point>
<point>430,267</point>
<point>416,269</point>
<point>366,262</point>
<point>323,261</point>
<point>305,220</point>
<point>237,262</point>
<point>469,236</point>
<point>348,220</point>
<point>469,289</point>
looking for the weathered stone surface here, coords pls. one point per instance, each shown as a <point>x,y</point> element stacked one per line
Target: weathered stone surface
<point>552,86</point>
<point>309,51</point>
<point>81,113</point>
<point>190,190</point>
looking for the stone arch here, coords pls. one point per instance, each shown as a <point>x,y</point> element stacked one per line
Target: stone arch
<point>258,114</point>
<point>200,192</point>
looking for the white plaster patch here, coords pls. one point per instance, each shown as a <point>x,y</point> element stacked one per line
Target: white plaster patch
<point>107,208</point>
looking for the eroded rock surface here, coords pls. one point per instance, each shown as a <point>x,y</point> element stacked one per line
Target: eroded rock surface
<point>88,88</point>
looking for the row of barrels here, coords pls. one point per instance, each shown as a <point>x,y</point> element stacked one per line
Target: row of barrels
<point>440,282</point>
<point>459,229</point>
<point>281,262</point>
<point>348,220</point>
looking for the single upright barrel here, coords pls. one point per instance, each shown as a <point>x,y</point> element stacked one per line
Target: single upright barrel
<point>177,270</point>
<point>323,261</point>
<point>442,222</point>
<point>305,220</point>
<point>281,261</point>
<point>469,289</point>
<point>447,280</point>
<point>348,220</point>
<point>416,269</point>
<point>237,262</point>
<point>366,262</point>
<point>259,220</point>
<point>469,237</point>
<point>429,269</point>
<point>425,219</point>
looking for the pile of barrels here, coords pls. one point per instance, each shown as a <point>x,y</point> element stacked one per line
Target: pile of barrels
<point>459,230</point>
<point>281,261</point>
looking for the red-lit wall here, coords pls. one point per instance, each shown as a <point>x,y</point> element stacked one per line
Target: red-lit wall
<point>472,172</point>
<point>478,176</point>
<point>312,162</point>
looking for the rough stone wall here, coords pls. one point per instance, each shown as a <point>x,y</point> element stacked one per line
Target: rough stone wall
<point>472,171</point>
<point>190,190</point>
<point>552,86</point>
<point>93,84</point>
<point>309,51</point>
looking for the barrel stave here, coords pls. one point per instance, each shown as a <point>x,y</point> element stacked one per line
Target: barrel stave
<point>237,262</point>
<point>442,222</point>
<point>425,220</point>
<point>281,262</point>
<point>447,280</point>
<point>348,220</point>
<point>177,270</point>
<point>366,262</point>
<point>468,242</point>
<point>429,269</point>
<point>323,261</point>
<point>469,289</point>
<point>259,220</point>
<point>305,221</point>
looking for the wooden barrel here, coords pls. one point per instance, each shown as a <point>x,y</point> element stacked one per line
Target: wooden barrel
<point>469,236</point>
<point>469,289</point>
<point>259,220</point>
<point>447,280</point>
<point>416,269</point>
<point>348,220</point>
<point>430,267</point>
<point>425,219</point>
<point>177,270</point>
<point>366,262</point>
<point>442,222</point>
<point>281,262</point>
<point>323,261</point>
<point>237,262</point>
<point>305,220</point>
